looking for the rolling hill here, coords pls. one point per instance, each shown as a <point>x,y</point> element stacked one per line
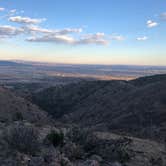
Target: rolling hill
<point>97,123</point>
<point>13,108</point>
<point>136,107</point>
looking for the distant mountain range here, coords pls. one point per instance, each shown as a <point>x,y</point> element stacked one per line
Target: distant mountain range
<point>12,63</point>
<point>8,63</point>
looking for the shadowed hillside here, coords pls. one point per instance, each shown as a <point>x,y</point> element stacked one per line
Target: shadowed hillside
<point>142,81</point>
<point>137,107</point>
<point>96,124</point>
<point>13,108</point>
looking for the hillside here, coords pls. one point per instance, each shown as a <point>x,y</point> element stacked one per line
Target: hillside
<point>13,108</point>
<point>142,81</point>
<point>107,112</point>
<point>136,107</point>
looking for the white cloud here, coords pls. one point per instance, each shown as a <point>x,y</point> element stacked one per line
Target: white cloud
<point>2,9</point>
<point>151,24</point>
<point>13,11</point>
<point>68,30</point>
<point>30,26</point>
<point>117,37</point>
<point>9,13</point>
<point>144,38</point>
<point>60,39</point>
<point>25,20</point>
<point>98,38</point>
<point>10,31</point>
<point>37,29</point>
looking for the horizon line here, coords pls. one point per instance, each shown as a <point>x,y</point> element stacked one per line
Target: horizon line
<point>70,63</point>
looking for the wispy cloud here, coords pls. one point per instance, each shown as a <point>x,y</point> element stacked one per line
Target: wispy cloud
<point>37,29</point>
<point>144,38</point>
<point>7,31</point>
<point>26,20</point>
<point>60,39</point>
<point>2,9</point>
<point>68,30</point>
<point>30,26</point>
<point>73,36</point>
<point>117,37</point>
<point>98,38</point>
<point>8,13</point>
<point>13,11</point>
<point>151,24</point>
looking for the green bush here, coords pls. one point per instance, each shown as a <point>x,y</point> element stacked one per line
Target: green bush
<point>55,138</point>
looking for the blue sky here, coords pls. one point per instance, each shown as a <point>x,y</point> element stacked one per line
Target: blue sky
<point>89,31</point>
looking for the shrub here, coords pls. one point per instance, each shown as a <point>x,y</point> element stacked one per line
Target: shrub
<point>55,138</point>
<point>114,150</point>
<point>73,151</point>
<point>90,143</point>
<point>18,116</point>
<point>83,137</point>
<point>77,135</point>
<point>23,138</point>
<point>123,155</point>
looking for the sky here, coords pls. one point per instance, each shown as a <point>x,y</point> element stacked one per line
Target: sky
<point>84,31</point>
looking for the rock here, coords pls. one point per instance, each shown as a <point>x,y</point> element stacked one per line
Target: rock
<point>116,164</point>
<point>36,161</point>
<point>96,157</point>
<point>90,163</point>
<point>65,161</point>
